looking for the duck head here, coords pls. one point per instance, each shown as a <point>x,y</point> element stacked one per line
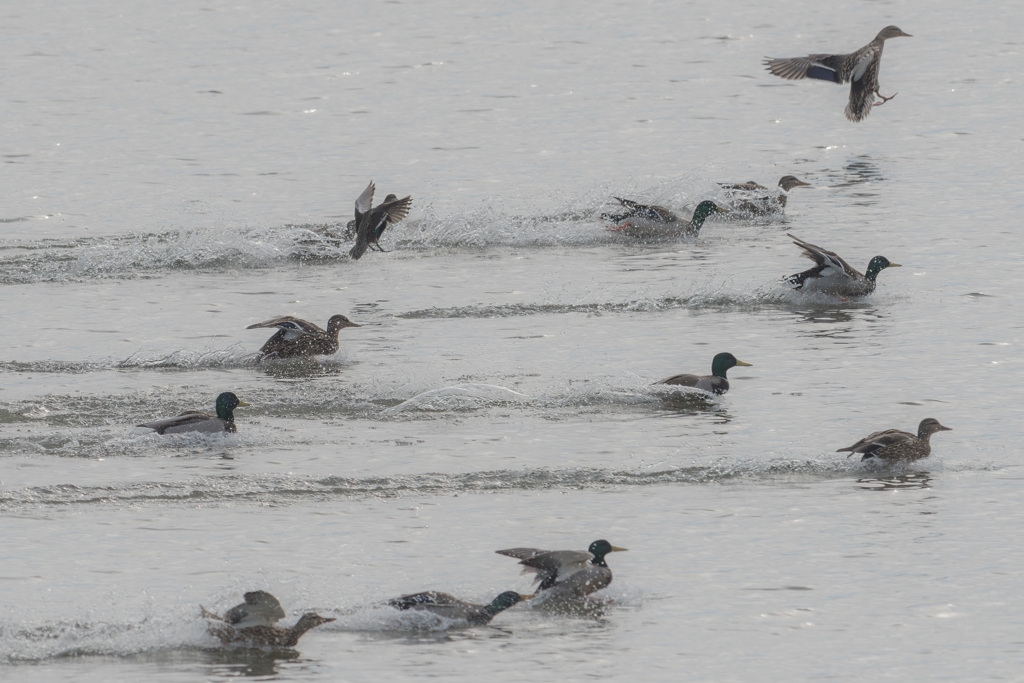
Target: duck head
<point>722,362</point>
<point>226,404</point>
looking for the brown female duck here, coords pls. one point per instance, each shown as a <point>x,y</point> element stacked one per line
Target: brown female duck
<point>859,69</point>
<point>894,445</point>
<point>297,337</point>
<point>370,221</point>
<point>252,623</point>
<point>752,198</point>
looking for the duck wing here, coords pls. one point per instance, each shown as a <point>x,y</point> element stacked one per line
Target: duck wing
<point>824,67</point>
<point>188,422</point>
<point>551,567</point>
<point>829,265</point>
<point>388,213</point>
<point>878,441</point>
<point>291,328</point>
<point>363,203</point>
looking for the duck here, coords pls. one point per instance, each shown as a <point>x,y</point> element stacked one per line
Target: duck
<point>298,337</point>
<point>643,221</point>
<point>266,636</point>
<point>751,197</point>
<point>895,445</point>
<point>252,622</point>
<point>370,223</point>
<point>833,275</point>
<point>566,574</point>
<point>859,69</point>
<point>716,382</point>
<point>448,606</point>
<point>195,421</point>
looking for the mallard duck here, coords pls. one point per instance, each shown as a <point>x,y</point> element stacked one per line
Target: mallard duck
<point>751,197</point>
<point>896,445</point>
<point>259,609</point>
<point>252,622</point>
<point>450,607</point>
<point>833,275</point>
<point>267,636</point>
<point>297,337</point>
<point>641,220</point>
<point>566,574</point>
<point>370,223</point>
<point>716,382</point>
<point>859,68</point>
<point>195,421</point>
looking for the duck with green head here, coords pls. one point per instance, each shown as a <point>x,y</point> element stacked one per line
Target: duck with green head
<point>643,221</point>
<point>448,606</point>
<point>195,421</point>
<point>566,574</point>
<point>833,275</point>
<point>716,382</point>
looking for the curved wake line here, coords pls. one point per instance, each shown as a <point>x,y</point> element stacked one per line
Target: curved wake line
<point>284,490</point>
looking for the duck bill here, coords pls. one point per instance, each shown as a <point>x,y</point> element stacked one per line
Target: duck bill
<point>243,404</point>
<point>617,549</point>
<point>353,325</point>
<point>527,597</point>
<point>746,365</point>
<point>945,429</point>
<point>895,265</point>
<point>719,209</point>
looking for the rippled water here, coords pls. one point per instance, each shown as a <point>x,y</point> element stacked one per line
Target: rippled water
<point>175,173</point>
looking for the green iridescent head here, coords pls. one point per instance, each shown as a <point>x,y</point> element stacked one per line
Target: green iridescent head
<point>505,600</point>
<point>601,548</point>
<point>705,209</point>
<point>722,362</point>
<point>877,265</point>
<point>226,404</point>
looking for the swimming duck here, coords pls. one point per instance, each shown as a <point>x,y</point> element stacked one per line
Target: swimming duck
<point>267,636</point>
<point>896,445</point>
<point>833,275</point>
<point>370,223</point>
<point>195,421</point>
<point>859,68</point>
<point>641,220</point>
<point>297,337</point>
<point>450,607</point>
<point>566,574</point>
<point>716,382</point>
<point>751,197</point>
<point>252,622</point>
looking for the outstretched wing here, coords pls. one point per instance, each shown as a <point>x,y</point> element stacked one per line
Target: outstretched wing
<point>833,68</point>
<point>363,203</point>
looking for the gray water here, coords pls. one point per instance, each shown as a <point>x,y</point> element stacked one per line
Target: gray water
<point>168,170</point>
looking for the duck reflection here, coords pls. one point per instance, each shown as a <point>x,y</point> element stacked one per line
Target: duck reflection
<point>906,480</point>
<point>248,662</point>
<point>695,403</point>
